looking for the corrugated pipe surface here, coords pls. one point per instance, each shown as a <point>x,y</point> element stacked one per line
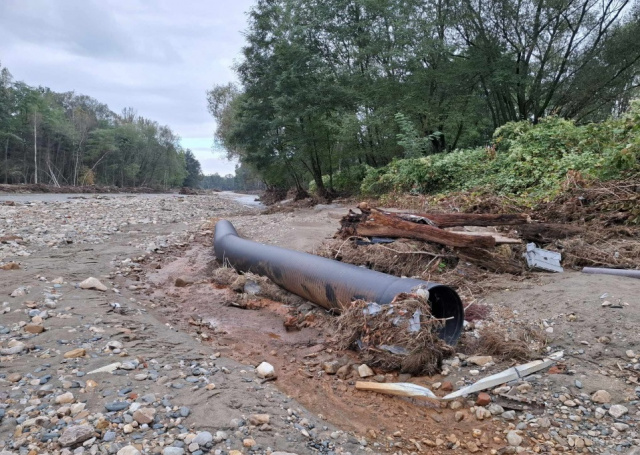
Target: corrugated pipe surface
<point>332,284</point>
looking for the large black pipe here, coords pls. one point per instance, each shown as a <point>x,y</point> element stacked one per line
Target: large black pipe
<point>332,284</point>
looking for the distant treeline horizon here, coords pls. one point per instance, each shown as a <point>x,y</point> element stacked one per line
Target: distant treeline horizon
<point>73,139</point>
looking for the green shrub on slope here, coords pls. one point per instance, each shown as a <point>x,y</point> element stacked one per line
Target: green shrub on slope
<point>524,159</point>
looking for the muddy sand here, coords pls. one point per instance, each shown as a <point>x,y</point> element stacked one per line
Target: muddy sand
<point>182,360</point>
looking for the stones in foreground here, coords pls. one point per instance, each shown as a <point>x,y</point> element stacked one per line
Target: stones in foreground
<point>75,435</point>
<point>364,371</point>
<point>93,283</point>
<point>128,450</point>
<point>514,439</point>
<point>14,347</point>
<point>266,370</point>
<point>75,353</point>
<point>601,396</point>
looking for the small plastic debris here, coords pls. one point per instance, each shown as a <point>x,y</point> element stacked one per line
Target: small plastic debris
<point>371,309</point>
<point>397,350</point>
<point>510,374</point>
<point>414,323</point>
<point>252,288</point>
<point>543,259</point>
<point>403,389</point>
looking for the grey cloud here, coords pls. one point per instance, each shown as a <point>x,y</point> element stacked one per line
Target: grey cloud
<point>81,27</point>
<point>158,56</point>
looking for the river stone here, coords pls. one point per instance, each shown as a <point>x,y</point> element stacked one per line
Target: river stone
<point>14,348</point>
<point>128,450</point>
<point>34,328</point>
<point>601,396</point>
<point>173,451</point>
<point>202,438</point>
<point>258,419</point>
<point>116,406</point>
<point>266,370</point>
<point>617,410</point>
<point>93,283</point>
<point>364,371</point>
<point>514,439</point>
<point>75,353</point>
<point>76,434</point>
<point>65,398</point>
<point>144,415</point>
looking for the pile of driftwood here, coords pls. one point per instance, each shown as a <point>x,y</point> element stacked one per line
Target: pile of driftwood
<point>477,246</point>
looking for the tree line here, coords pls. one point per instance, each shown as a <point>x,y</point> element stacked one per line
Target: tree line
<point>326,86</point>
<point>244,180</point>
<point>70,139</point>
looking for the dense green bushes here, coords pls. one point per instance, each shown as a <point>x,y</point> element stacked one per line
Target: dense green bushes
<point>523,159</point>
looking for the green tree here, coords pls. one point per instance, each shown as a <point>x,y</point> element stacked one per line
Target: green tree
<point>194,170</point>
<point>65,138</point>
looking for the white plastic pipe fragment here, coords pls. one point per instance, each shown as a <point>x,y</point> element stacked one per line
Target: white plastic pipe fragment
<point>616,272</point>
<point>510,374</point>
<point>403,389</point>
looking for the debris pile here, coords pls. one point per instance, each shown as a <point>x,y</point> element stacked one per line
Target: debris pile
<point>519,342</point>
<point>400,336</point>
<point>424,244</point>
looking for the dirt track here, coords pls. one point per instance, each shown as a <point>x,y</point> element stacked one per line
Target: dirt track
<point>141,248</point>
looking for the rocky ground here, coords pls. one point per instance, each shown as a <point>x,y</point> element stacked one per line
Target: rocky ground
<point>155,357</point>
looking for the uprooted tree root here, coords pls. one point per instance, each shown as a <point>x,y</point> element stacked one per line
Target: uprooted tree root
<point>520,343</point>
<point>384,339</point>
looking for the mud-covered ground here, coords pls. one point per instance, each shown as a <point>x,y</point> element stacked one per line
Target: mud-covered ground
<point>188,353</point>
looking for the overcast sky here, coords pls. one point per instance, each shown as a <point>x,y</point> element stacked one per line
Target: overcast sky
<point>157,56</point>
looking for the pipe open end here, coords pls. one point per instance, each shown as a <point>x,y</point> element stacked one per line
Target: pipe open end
<point>446,304</point>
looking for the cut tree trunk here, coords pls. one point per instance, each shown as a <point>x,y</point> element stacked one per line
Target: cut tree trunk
<point>376,223</point>
<point>444,220</point>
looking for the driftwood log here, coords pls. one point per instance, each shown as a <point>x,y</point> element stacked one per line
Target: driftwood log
<point>376,223</point>
<point>444,220</point>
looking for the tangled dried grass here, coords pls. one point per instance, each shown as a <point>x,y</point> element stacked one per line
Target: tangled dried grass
<point>594,202</point>
<point>224,276</point>
<point>616,253</point>
<point>519,343</point>
<point>401,258</point>
<point>477,312</point>
<point>227,276</point>
<point>385,339</point>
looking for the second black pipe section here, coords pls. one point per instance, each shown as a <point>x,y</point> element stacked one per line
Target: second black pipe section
<point>332,284</point>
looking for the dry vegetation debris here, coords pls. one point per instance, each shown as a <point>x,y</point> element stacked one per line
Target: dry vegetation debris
<point>400,336</point>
